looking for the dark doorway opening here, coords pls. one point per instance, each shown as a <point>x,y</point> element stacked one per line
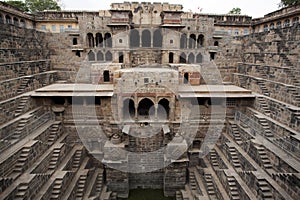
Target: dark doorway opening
<point>200,40</point>
<point>77,53</point>
<point>90,40</point>
<point>106,76</point>
<point>99,40</point>
<point>146,108</point>
<point>171,57</point>
<point>192,41</point>
<point>212,55</point>
<point>75,42</point>
<point>186,78</point>
<point>121,57</point>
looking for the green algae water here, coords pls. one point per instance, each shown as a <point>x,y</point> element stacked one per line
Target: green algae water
<point>146,194</point>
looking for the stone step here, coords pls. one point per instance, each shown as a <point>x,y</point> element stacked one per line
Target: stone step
<point>233,153</point>
<point>211,192</point>
<point>262,184</point>
<point>267,195</point>
<point>265,189</point>
<point>268,166</point>
<point>57,185</point>
<point>231,183</point>
<point>209,184</point>
<point>264,156</point>
<point>235,197</point>
<point>20,194</point>
<point>265,161</point>
<point>236,162</point>
<point>234,193</point>
<point>56,192</point>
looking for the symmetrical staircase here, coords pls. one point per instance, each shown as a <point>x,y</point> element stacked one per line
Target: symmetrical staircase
<point>99,182</point>
<point>265,125</point>
<point>234,157</point>
<point>54,159</point>
<point>23,84</point>
<point>236,134</point>
<point>53,133</point>
<point>77,159</point>
<point>213,158</point>
<point>233,188</point>
<point>264,105</point>
<point>56,192</point>
<point>210,186</point>
<point>264,157</point>
<point>22,189</point>
<point>263,87</point>
<point>264,189</point>
<point>18,132</point>
<point>192,181</point>
<point>81,186</point>
<point>22,159</point>
<point>22,104</point>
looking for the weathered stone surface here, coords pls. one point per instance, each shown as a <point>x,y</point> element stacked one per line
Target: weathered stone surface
<point>142,126</point>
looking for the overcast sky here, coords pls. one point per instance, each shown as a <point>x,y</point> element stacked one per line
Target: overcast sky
<point>254,8</point>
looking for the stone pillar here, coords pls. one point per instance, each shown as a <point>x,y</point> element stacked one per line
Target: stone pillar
<point>136,104</point>
<point>120,110</point>
<point>175,174</point>
<point>175,178</point>
<point>172,109</point>
<point>151,36</point>
<point>187,44</point>
<point>156,107</point>
<point>103,42</point>
<point>116,161</point>
<point>118,182</point>
<point>140,34</point>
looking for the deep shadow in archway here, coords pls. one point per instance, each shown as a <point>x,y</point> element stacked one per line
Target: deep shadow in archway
<point>146,108</point>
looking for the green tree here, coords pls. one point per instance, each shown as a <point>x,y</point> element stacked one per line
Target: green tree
<point>36,5</point>
<point>285,3</point>
<point>19,4</point>
<point>40,5</point>
<point>236,11</point>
